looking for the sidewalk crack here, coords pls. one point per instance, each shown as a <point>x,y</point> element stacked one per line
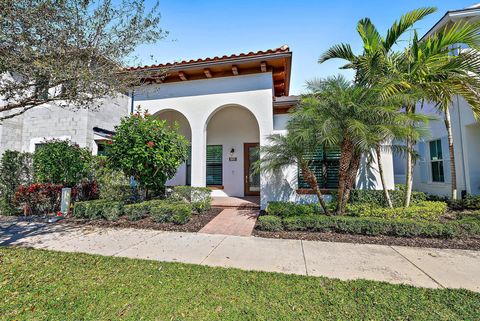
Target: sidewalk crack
<point>411,262</point>
<point>136,244</point>
<point>206,257</point>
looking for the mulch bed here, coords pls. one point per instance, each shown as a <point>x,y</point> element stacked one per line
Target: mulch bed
<point>458,243</point>
<point>196,223</point>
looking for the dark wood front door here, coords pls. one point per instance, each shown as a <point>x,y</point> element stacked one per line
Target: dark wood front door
<point>251,154</point>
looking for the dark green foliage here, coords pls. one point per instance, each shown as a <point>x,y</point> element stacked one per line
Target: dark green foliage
<point>199,197</point>
<point>61,162</point>
<point>377,197</point>
<point>270,223</point>
<point>113,185</point>
<point>421,210</point>
<point>136,211</point>
<point>149,150</point>
<point>287,209</point>
<point>97,209</point>
<point>15,170</point>
<point>374,226</point>
<point>175,212</point>
<point>470,202</point>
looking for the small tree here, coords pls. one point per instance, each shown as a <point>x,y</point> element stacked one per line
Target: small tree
<point>15,170</point>
<point>148,149</point>
<point>70,53</point>
<point>61,162</point>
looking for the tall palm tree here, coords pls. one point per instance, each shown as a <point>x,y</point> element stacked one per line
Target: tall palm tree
<point>286,150</point>
<point>424,70</point>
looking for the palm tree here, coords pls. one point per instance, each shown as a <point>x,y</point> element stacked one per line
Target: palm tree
<point>340,114</point>
<point>286,150</point>
<point>425,70</point>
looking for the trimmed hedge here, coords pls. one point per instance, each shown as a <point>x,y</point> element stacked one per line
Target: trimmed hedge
<point>372,226</point>
<point>361,196</point>
<point>97,209</point>
<point>199,197</point>
<point>423,210</point>
<point>287,209</point>
<point>175,212</point>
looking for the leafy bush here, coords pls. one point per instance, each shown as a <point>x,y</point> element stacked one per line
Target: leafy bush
<point>39,198</point>
<point>147,149</point>
<point>113,185</point>
<point>199,197</point>
<point>175,212</point>
<point>270,223</point>
<point>61,162</point>
<point>15,170</point>
<point>97,209</point>
<point>85,191</point>
<point>137,211</point>
<point>423,210</point>
<point>287,209</point>
<point>373,226</point>
<point>376,196</point>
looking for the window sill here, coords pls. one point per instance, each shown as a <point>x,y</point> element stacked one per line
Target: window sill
<point>308,191</point>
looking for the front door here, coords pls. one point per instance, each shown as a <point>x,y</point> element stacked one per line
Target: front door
<point>251,152</point>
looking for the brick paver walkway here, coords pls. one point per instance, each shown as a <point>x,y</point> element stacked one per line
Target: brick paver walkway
<point>232,221</point>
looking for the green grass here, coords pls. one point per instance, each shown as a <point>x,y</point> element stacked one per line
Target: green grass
<point>41,285</point>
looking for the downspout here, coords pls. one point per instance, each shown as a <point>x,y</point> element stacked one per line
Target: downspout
<point>132,101</point>
<point>461,144</point>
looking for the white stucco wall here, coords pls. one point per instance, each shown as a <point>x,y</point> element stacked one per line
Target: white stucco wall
<point>466,135</point>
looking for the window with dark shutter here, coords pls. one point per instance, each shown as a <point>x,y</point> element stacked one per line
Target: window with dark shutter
<point>214,165</point>
<point>188,164</point>
<point>324,163</point>
<point>436,161</point>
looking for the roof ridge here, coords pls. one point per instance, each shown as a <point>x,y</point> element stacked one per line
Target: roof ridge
<point>284,48</point>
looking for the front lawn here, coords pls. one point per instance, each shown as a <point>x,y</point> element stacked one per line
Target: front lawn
<point>37,284</point>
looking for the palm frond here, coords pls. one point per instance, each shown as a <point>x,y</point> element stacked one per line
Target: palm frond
<point>341,51</point>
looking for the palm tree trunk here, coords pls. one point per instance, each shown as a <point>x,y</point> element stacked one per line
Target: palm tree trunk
<point>451,151</point>
<point>409,171</point>
<point>386,194</point>
<point>350,180</point>
<point>346,153</point>
<point>310,178</point>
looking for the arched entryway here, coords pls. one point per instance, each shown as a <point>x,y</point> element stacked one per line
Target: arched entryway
<point>172,117</point>
<point>232,147</point>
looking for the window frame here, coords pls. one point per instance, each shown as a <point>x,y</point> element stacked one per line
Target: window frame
<point>326,163</point>
<point>436,160</point>
<point>218,164</point>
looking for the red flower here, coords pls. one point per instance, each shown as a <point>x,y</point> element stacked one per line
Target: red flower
<point>59,213</point>
<point>150,144</point>
<point>109,142</point>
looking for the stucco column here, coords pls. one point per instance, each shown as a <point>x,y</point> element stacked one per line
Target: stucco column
<point>199,140</point>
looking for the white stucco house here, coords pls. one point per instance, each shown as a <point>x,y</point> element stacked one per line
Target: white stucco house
<point>432,170</point>
<point>225,106</point>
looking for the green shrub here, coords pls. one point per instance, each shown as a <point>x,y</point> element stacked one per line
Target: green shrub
<point>199,197</point>
<point>61,162</point>
<point>270,223</point>
<point>376,197</point>
<point>372,226</point>
<point>287,209</point>
<point>113,185</point>
<point>423,210</point>
<point>136,212</point>
<point>175,212</point>
<point>110,210</point>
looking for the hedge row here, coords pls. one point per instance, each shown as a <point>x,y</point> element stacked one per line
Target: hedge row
<point>161,211</point>
<point>424,210</point>
<point>469,226</point>
<point>376,196</point>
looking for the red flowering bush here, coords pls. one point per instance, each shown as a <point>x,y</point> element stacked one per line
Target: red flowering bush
<point>39,199</point>
<point>85,191</point>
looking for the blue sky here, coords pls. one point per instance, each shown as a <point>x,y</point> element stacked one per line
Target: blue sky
<point>201,29</point>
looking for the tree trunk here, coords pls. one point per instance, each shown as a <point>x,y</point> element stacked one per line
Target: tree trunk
<point>451,151</point>
<point>409,171</point>
<point>346,153</point>
<point>386,194</point>
<point>350,180</point>
<point>310,178</point>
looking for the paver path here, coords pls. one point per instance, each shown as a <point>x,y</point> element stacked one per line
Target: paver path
<point>434,268</point>
<point>232,221</point>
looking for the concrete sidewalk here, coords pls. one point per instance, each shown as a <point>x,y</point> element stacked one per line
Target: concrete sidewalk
<point>433,268</point>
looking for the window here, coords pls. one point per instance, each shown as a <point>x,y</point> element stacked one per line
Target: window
<point>102,147</point>
<point>436,161</point>
<point>214,165</point>
<point>324,163</point>
<point>39,146</point>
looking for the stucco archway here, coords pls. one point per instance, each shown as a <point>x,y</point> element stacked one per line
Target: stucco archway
<point>232,142</point>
